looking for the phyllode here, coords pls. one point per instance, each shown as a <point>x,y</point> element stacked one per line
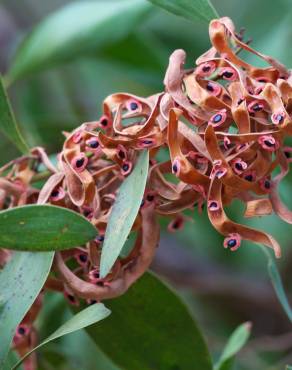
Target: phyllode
<point>224,123</point>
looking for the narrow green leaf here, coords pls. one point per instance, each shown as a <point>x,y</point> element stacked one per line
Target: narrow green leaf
<point>150,328</point>
<point>80,348</point>
<point>11,359</point>
<point>8,123</point>
<point>277,282</point>
<point>20,284</point>
<point>237,340</point>
<point>43,228</point>
<point>76,348</point>
<point>124,212</point>
<point>82,319</point>
<point>74,30</point>
<point>189,9</point>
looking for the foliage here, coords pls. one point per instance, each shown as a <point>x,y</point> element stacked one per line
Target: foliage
<point>161,333</point>
<point>43,228</point>
<point>20,285</point>
<point>89,316</point>
<point>8,123</point>
<point>237,340</point>
<point>201,10</point>
<point>77,28</point>
<point>124,213</point>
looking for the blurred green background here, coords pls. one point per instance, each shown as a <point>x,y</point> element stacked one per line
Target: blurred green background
<point>223,289</point>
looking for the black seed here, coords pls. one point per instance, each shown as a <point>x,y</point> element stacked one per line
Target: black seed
<point>122,154</point>
<point>125,167</point>
<point>217,118</point>
<point>213,205</point>
<point>7,202</point>
<point>227,74</point>
<point>287,154</point>
<point>55,193</point>
<point>94,144</point>
<point>96,275</point>
<point>21,330</point>
<point>249,177</point>
<point>238,166</point>
<point>83,257</point>
<point>147,142</point>
<point>267,184</point>
<point>209,87</point>
<point>133,106</point>
<point>206,68</point>
<point>257,107</point>
<point>71,298</point>
<point>100,238</point>
<point>104,122</point>
<point>87,213</point>
<point>175,168</point>
<point>231,243</point>
<point>239,101</point>
<point>142,203</point>
<point>79,162</point>
<point>92,301</point>
<point>176,225</point>
<point>150,197</point>
<point>269,144</point>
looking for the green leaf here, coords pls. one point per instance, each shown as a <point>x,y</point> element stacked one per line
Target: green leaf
<point>150,54</point>
<point>21,280</point>
<point>150,328</point>
<point>11,359</point>
<point>124,212</point>
<point>288,367</point>
<point>8,123</point>
<point>237,340</point>
<point>77,350</point>
<point>277,282</point>
<point>43,228</point>
<point>74,30</point>
<point>189,9</point>
<point>82,319</point>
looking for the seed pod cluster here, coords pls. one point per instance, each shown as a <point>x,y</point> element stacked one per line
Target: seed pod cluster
<point>224,123</point>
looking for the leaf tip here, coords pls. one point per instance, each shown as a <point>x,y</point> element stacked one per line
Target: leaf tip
<point>248,326</point>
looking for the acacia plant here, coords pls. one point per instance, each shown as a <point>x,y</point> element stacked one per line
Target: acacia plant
<point>222,126</point>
